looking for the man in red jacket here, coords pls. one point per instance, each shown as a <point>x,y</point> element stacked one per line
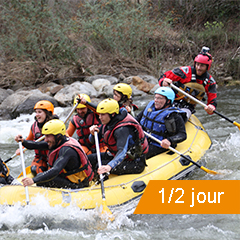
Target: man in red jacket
<point>194,80</point>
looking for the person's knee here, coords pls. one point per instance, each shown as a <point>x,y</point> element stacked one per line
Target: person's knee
<point>139,167</point>
<point>34,170</point>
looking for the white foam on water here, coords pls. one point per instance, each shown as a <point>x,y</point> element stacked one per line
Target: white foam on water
<point>39,215</point>
<point>22,124</point>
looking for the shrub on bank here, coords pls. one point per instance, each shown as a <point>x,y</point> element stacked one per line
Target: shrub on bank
<point>153,34</point>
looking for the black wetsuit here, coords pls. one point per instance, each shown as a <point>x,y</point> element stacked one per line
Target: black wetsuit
<point>68,159</point>
<point>123,136</point>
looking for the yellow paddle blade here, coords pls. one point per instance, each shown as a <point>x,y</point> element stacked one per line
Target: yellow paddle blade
<point>106,210</point>
<point>209,171</point>
<point>28,171</point>
<point>237,124</point>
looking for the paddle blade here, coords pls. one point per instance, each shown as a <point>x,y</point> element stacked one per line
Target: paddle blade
<point>237,124</point>
<point>106,211</point>
<point>209,171</point>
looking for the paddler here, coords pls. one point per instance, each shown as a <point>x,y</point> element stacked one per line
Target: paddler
<point>44,111</point>
<point>196,81</point>
<point>124,138</point>
<point>68,164</point>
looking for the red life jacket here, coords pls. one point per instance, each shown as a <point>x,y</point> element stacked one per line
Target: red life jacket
<point>40,154</point>
<point>127,121</point>
<point>187,74</point>
<point>85,169</point>
<point>83,131</point>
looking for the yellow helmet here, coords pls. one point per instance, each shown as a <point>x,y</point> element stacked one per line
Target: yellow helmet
<point>108,105</point>
<point>83,95</point>
<point>124,88</point>
<point>44,104</point>
<point>55,127</point>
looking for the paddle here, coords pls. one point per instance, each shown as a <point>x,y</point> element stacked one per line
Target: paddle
<point>186,158</point>
<point>42,137</point>
<point>204,105</point>
<point>104,204</point>
<point>24,170</point>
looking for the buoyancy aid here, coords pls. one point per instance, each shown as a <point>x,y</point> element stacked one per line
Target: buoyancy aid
<point>195,87</point>
<point>83,131</point>
<point>127,121</point>
<point>40,154</point>
<point>153,121</point>
<point>82,126</point>
<point>76,175</point>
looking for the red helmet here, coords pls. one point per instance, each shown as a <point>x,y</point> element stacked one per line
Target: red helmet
<point>204,57</point>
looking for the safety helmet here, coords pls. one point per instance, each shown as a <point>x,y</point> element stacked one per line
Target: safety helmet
<point>204,57</point>
<point>108,105</point>
<point>83,95</point>
<point>55,127</point>
<point>166,92</point>
<point>44,104</point>
<point>124,88</point>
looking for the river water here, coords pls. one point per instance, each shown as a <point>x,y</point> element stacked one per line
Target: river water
<point>43,221</point>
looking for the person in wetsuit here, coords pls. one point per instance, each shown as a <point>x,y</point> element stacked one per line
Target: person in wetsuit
<point>68,164</point>
<point>124,137</point>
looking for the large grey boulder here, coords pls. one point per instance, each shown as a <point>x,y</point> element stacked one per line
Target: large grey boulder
<point>66,95</point>
<point>99,83</point>
<point>152,91</point>
<point>4,94</point>
<point>106,91</point>
<point>22,102</point>
<point>111,79</point>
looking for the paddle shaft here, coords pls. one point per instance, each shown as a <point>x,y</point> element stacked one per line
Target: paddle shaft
<point>170,148</point>
<point>99,164</point>
<point>204,105</point>
<point>42,137</point>
<point>105,209</point>
<point>176,151</point>
<point>24,170</point>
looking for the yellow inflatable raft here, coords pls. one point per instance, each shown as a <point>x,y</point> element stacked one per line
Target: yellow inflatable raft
<point>120,189</point>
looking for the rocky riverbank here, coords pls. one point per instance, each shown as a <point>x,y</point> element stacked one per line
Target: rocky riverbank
<point>13,103</point>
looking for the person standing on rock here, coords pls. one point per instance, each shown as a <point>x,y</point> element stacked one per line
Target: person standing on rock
<point>196,81</point>
<point>44,111</point>
<point>81,122</point>
<point>122,93</point>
